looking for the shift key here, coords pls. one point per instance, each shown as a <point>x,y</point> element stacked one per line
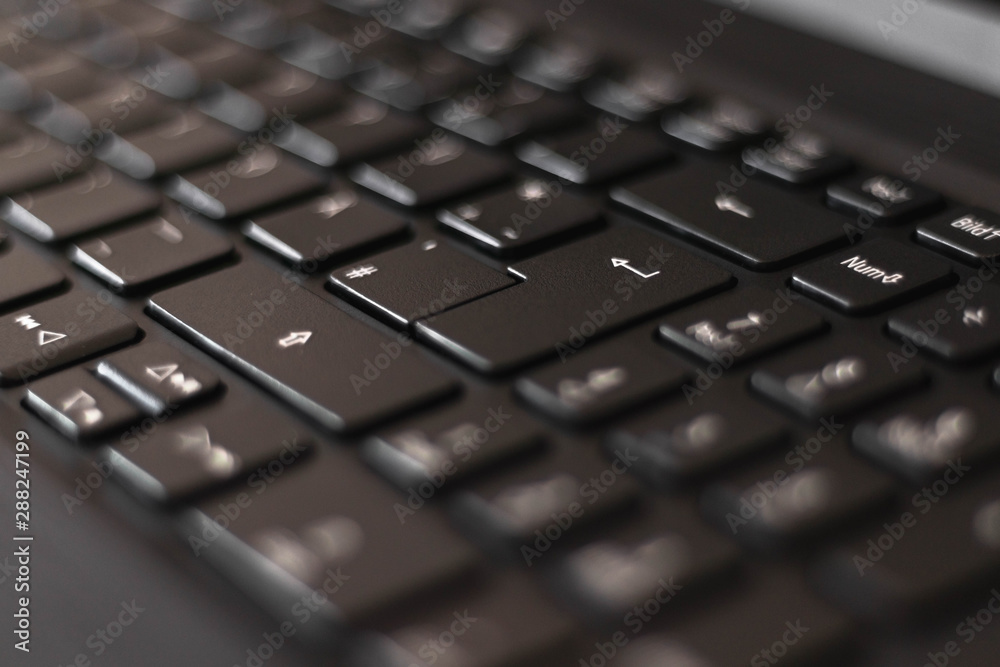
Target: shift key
<point>330,366</point>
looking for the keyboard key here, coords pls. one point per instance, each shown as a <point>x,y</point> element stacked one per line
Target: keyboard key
<point>450,446</point>
<point>723,125</point>
<point>772,618</point>
<point>665,551</point>
<point>292,92</point>
<point>35,161</point>
<point>514,109</point>
<point>741,325</point>
<point>416,281</point>
<point>680,442</point>
<point>800,159</point>
<point>759,225</point>
<point>940,545</point>
<point>638,93</point>
<point>919,440</point>
<point>608,149</point>
<point>124,107</point>
<point>329,227</point>
<point>189,141</point>
<point>439,168</point>
<point>332,367</point>
<point>77,405</point>
<point>515,624</point>
<point>789,501</point>
<point>522,218</point>
<point>871,276</point>
<point>361,129</point>
<point>157,377</point>
<point>150,252</point>
<point>835,378</point>
<point>881,197</point>
<point>322,521</point>
<point>488,36</point>
<point>564,491</point>
<point>959,326</point>
<point>96,199</point>
<point>556,63</point>
<point>187,456</point>
<point>969,235</point>
<point>262,178</point>
<point>602,382</point>
<point>572,294</point>
<point>24,275</point>
<point>409,78</point>
<point>57,332</point>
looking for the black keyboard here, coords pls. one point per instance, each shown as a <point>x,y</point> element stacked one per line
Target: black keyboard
<point>456,342</point>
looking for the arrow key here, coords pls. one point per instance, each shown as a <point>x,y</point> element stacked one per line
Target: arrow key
<point>157,377</point>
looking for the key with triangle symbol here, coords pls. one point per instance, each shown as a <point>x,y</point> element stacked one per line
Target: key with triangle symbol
<point>57,332</point>
<point>157,376</point>
<point>79,406</point>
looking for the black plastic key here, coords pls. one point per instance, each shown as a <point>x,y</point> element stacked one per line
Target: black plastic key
<point>772,618</point>
<point>871,276</point>
<point>758,224</point>
<point>744,324</point>
<point>602,382</point>
<point>329,365</point>
<point>503,622</point>
<point>722,125</point>
<point>416,281</point>
<point>96,199</point>
<point>565,491</point>
<point>679,442</point>
<point>189,141</point>
<point>881,197</point>
<point>792,501</point>
<point>361,129</point>
<point>597,153</point>
<point>35,161</point>
<point>435,452</point>
<point>80,406</point>
<point>150,252</point>
<point>439,168</point>
<point>23,275</point>
<point>663,551</point>
<point>572,294</point>
<point>959,326</point>
<point>514,109</point>
<point>45,336</point>
<point>800,159</point>
<point>187,456</point>
<point>158,377</point>
<point>638,93</point>
<point>263,177</point>
<point>408,78</point>
<point>329,227</point>
<point>325,520</point>
<point>918,441</point>
<point>835,378</point>
<point>971,235</point>
<point>942,543</point>
<point>521,218</point>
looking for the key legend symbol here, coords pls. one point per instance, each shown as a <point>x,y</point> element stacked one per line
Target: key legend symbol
<point>733,205</point>
<point>27,321</point>
<point>975,317</point>
<point>295,338</point>
<point>361,271</point>
<point>85,405</point>
<point>618,261</point>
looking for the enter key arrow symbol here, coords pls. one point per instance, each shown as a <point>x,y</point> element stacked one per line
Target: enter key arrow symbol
<point>618,261</point>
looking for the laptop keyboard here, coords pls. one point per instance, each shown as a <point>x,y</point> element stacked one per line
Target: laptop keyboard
<point>471,346</point>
